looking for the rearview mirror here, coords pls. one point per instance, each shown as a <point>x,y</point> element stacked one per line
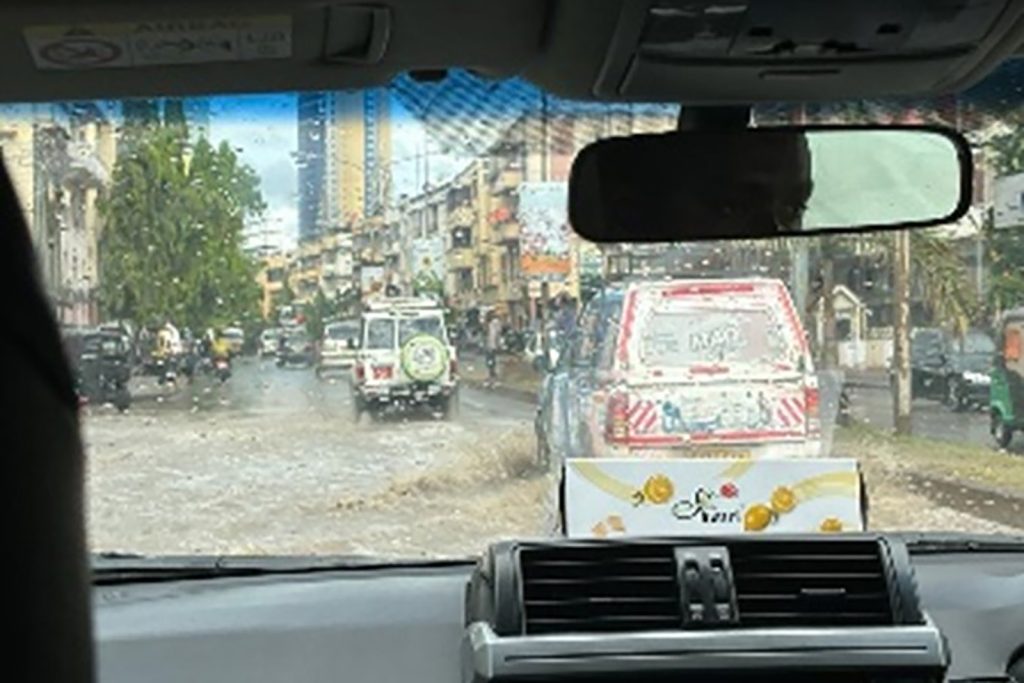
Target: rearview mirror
<point>764,182</point>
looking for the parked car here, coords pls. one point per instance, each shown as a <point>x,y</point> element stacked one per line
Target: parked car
<point>295,348</point>
<point>269,340</point>
<point>969,383</point>
<point>954,371</point>
<point>102,365</point>
<point>694,368</point>
<point>1006,402</point>
<point>338,346</point>
<point>235,338</point>
<point>405,359</point>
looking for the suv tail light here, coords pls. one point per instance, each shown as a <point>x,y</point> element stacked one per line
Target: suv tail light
<point>453,367</point>
<point>616,428</point>
<point>360,370</point>
<point>812,403</point>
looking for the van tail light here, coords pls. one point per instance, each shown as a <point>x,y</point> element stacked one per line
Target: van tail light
<point>383,371</point>
<point>360,370</point>
<point>812,408</point>
<point>616,428</point>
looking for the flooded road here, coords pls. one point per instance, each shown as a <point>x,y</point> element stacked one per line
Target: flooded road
<point>273,462</point>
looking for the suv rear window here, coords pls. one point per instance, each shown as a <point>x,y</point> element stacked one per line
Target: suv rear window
<point>380,333</point>
<point>411,327</point>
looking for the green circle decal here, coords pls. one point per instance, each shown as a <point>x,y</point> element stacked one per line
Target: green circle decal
<point>424,358</point>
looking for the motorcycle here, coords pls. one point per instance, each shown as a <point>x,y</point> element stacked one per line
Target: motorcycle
<point>222,368</point>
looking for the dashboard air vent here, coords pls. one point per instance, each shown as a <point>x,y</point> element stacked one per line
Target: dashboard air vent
<point>615,587</point>
<point>841,583</point>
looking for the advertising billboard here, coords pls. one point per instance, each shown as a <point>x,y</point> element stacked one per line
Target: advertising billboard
<point>545,249</point>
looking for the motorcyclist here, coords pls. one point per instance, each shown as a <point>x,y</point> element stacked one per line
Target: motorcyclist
<point>219,347</point>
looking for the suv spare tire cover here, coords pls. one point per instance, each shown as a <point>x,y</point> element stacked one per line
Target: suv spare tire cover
<point>424,358</point>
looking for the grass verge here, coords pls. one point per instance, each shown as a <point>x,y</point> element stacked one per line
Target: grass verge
<point>880,451</point>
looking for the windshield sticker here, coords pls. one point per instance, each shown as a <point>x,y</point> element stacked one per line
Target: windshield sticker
<point>717,342</point>
<point>159,42</point>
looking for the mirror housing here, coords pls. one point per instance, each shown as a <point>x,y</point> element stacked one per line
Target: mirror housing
<point>768,182</point>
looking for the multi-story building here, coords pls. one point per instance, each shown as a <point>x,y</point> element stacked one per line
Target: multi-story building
<point>344,152</point>
<point>60,158</point>
<point>464,236</point>
<point>311,162</point>
<point>271,278</point>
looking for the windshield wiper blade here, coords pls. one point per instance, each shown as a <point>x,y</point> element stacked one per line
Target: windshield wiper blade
<point>930,544</point>
<point>110,569</point>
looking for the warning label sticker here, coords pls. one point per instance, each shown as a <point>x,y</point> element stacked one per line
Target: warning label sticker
<point>153,43</point>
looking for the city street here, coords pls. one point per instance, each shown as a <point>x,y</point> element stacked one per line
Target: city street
<point>272,461</point>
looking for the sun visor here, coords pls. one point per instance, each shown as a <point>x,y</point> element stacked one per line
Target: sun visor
<point>745,50</point>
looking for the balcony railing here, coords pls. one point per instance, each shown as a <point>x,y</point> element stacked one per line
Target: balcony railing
<point>460,257</point>
<point>506,231</point>
<point>506,179</point>
<point>463,216</point>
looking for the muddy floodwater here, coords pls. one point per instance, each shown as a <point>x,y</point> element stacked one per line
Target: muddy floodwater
<point>272,462</point>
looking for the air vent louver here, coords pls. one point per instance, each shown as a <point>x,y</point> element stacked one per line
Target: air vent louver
<point>811,584</point>
<point>627,587</point>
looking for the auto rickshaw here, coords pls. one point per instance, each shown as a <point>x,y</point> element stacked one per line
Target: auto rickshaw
<point>1006,394</point>
<point>102,369</point>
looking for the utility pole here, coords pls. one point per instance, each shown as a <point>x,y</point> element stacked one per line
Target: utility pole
<point>829,342</point>
<point>901,332</point>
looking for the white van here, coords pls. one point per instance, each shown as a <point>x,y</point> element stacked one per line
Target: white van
<point>687,368</point>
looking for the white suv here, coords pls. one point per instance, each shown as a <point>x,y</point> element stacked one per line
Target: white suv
<point>405,359</point>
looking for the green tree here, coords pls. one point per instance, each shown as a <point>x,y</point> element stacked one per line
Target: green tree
<point>172,241</point>
<point>318,313</point>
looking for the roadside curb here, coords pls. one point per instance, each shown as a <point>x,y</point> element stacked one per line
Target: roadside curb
<point>508,392</point>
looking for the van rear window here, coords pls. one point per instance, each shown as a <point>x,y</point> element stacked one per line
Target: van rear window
<point>682,338</point>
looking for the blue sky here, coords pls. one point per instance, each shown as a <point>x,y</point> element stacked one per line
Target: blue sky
<point>263,130</point>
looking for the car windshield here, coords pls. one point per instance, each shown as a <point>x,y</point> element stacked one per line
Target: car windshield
<point>437,211</point>
<point>978,344</point>
<point>343,331</point>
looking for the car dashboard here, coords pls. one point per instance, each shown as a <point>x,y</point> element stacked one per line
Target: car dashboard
<point>424,622</point>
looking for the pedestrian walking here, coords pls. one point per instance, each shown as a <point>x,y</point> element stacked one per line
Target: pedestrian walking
<point>491,346</point>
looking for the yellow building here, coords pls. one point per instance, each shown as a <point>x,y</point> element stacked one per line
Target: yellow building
<point>17,151</point>
<point>271,277</point>
<point>358,155</point>
<point>60,159</point>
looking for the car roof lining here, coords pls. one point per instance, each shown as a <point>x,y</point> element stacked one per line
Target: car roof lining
<point>564,46</point>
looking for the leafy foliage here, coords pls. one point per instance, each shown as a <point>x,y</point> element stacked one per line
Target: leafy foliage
<point>171,247</point>
<point>1005,247</point>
